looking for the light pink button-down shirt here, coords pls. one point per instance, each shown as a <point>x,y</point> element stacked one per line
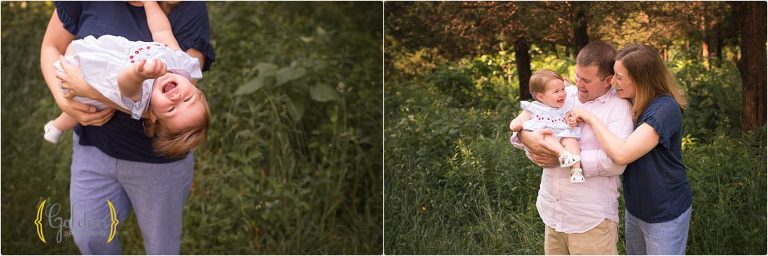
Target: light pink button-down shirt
<point>578,207</point>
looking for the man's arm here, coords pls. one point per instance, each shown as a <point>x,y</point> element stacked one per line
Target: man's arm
<point>533,144</point>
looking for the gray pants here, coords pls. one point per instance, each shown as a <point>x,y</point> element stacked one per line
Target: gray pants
<point>156,192</point>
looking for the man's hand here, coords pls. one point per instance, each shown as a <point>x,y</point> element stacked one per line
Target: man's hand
<point>538,153</point>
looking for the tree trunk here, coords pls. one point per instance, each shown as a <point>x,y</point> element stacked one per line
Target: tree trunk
<point>705,52</point>
<point>580,21</point>
<point>718,45</point>
<point>704,41</point>
<point>752,64</point>
<point>523,63</point>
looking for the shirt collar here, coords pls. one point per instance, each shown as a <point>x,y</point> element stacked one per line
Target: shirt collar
<point>606,97</point>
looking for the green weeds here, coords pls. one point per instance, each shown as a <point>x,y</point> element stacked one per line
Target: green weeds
<point>293,161</point>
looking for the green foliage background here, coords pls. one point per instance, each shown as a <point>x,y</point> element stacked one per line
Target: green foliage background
<point>293,159</point>
<point>454,184</point>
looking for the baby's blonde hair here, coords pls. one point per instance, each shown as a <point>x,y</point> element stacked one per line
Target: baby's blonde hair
<point>176,144</point>
<point>539,80</point>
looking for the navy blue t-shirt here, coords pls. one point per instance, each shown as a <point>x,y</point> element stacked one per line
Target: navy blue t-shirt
<point>656,188</point>
<point>122,137</point>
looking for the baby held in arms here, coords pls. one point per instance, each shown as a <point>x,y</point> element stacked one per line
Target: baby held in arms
<point>150,80</point>
<point>553,101</point>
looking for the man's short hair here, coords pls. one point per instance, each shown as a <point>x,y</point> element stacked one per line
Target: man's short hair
<point>599,53</point>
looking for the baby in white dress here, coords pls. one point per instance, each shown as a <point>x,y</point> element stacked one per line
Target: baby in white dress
<point>553,101</point>
<point>129,75</point>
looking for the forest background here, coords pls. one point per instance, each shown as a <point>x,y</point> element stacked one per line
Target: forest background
<point>456,71</point>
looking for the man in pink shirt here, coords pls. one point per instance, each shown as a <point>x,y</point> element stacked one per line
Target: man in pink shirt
<point>582,218</point>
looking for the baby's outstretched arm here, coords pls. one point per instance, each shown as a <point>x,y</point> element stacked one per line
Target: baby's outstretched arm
<point>132,77</point>
<point>517,124</point>
<point>159,25</point>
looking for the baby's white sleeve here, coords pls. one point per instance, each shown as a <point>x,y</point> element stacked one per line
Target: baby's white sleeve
<point>526,105</point>
<point>181,63</point>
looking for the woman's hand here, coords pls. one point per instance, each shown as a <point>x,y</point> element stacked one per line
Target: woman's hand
<point>85,114</point>
<point>578,115</point>
<point>72,80</point>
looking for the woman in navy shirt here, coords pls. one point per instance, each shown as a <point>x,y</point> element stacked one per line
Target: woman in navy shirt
<point>656,191</point>
<point>112,161</point>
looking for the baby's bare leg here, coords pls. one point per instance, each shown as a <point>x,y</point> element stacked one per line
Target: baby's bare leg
<point>552,143</point>
<point>54,129</point>
<point>64,122</point>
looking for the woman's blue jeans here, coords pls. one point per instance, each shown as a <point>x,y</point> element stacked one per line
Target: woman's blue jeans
<point>657,238</point>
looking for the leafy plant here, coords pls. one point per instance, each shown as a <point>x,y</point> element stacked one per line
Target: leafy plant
<point>291,164</point>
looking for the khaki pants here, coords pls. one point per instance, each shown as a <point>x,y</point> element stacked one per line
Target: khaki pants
<point>599,240</point>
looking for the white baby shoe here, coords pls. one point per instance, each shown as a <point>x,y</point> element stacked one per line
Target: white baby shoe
<point>577,175</point>
<point>52,134</point>
<point>567,159</point>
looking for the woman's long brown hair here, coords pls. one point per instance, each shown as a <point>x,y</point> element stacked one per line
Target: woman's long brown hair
<point>651,77</point>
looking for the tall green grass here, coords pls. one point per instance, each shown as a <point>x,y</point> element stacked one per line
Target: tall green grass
<point>454,184</point>
<point>292,167</point>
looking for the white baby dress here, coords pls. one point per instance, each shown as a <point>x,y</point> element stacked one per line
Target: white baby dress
<point>102,59</point>
<point>544,116</point>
